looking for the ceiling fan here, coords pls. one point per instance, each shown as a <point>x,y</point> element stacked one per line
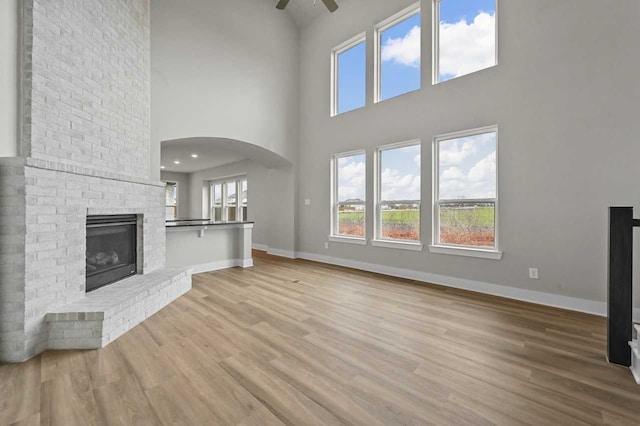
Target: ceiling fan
<point>331,4</point>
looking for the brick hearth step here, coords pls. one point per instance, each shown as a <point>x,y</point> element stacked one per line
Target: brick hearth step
<point>108,312</point>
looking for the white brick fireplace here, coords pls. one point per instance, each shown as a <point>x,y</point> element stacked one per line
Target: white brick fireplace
<point>85,151</point>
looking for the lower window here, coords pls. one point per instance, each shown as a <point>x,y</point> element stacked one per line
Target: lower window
<point>348,187</point>
<point>398,192</point>
<point>465,193</point>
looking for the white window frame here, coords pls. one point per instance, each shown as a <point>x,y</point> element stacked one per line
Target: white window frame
<point>333,232</point>
<point>435,25</point>
<point>461,250</point>
<point>175,207</point>
<point>378,240</point>
<point>237,180</point>
<point>335,52</point>
<point>381,27</point>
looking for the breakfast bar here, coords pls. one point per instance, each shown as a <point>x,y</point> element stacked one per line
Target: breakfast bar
<point>206,245</point>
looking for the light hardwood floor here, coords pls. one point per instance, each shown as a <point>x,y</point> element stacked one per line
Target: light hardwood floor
<point>301,343</point>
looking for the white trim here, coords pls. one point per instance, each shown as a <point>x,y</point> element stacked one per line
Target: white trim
<point>261,247</point>
<point>378,29</point>
<point>531,296</point>
<point>281,253</point>
<point>221,264</point>
<point>466,251</point>
<point>348,240</point>
<point>398,244</point>
<point>335,52</point>
<point>246,263</point>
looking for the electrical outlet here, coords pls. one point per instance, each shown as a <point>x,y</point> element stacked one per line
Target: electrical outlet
<point>533,273</point>
<point>307,201</point>
<point>326,245</point>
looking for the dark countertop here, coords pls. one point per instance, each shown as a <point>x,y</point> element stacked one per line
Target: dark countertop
<point>178,223</point>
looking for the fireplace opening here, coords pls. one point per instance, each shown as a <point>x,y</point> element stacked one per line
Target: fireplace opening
<point>111,249</point>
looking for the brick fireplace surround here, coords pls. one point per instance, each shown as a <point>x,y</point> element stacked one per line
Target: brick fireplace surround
<point>85,151</point>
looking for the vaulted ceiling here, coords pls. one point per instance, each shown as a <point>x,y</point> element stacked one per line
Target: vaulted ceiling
<point>304,11</point>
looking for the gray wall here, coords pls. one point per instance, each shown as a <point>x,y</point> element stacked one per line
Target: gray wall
<point>225,69</point>
<point>270,203</point>
<point>565,96</point>
<point>8,78</point>
<point>184,191</point>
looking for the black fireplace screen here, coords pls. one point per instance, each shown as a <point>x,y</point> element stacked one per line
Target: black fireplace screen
<point>111,249</point>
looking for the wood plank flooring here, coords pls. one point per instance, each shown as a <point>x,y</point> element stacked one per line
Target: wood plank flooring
<point>301,343</point>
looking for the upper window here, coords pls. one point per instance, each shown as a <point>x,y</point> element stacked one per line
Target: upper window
<point>465,191</point>
<point>398,192</point>
<point>229,200</point>
<point>349,75</point>
<point>349,205</point>
<point>398,54</point>
<point>464,37</point>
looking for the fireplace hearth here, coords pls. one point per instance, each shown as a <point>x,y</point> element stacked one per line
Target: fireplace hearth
<point>111,253</point>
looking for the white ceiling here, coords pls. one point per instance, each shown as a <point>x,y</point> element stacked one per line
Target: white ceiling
<point>209,155</point>
<point>303,11</point>
<point>213,152</point>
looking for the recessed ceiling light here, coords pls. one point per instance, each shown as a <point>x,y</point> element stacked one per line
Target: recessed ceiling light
<point>194,155</point>
<point>176,162</point>
<point>162,167</point>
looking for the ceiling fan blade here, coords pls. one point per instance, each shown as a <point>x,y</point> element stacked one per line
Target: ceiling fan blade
<point>282,4</point>
<point>331,5</point>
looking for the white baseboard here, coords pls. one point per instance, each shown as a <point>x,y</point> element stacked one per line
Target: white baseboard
<point>282,253</point>
<point>274,251</point>
<point>538,297</point>
<point>222,264</point>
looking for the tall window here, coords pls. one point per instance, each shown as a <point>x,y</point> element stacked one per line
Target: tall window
<point>349,75</point>
<point>349,206</point>
<point>398,192</point>
<point>229,200</point>
<point>171,200</point>
<point>464,37</point>
<point>398,54</point>
<point>216,202</point>
<point>466,189</point>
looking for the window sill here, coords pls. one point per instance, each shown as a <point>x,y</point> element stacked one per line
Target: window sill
<point>348,240</point>
<point>467,252</point>
<point>402,245</point>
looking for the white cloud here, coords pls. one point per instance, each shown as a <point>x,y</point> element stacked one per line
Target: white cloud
<point>452,173</point>
<point>398,186</point>
<point>455,152</point>
<point>479,182</point>
<point>467,47</point>
<point>351,178</point>
<point>484,170</point>
<point>417,160</point>
<point>405,50</point>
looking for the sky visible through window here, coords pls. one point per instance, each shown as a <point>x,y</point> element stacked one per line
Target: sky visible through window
<point>467,37</point>
<point>351,178</point>
<point>400,174</point>
<point>400,58</point>
<point>467,167</point>
<point>351,82</point>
